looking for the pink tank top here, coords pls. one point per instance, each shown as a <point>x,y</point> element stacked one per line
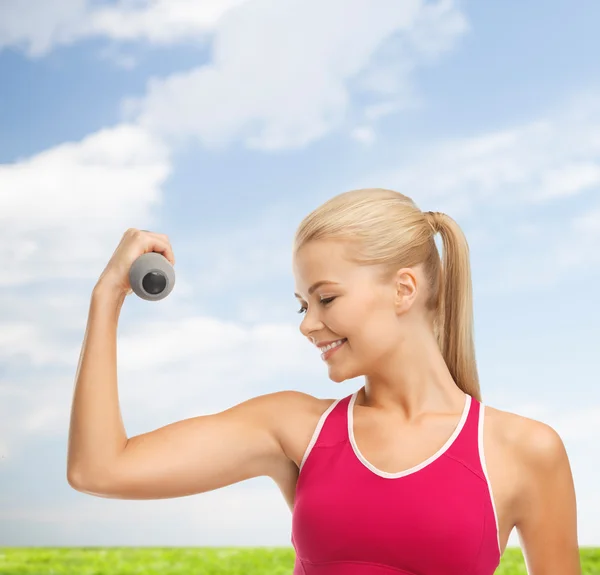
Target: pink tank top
<point>437,518</point>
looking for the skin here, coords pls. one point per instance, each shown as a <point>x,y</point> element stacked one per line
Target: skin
<point>390,335</point>
<point>405,413</point>
<point>410,391</point>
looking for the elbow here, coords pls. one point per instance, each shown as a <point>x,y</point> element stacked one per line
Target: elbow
<point>86,484</point>
<point>75,479</point>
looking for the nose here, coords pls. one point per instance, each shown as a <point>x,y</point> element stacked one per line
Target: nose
<point>309,325</point>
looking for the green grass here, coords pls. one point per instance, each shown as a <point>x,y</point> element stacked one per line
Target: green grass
<point>195,560</point>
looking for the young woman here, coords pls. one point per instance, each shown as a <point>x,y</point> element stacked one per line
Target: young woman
<point>412,473</point>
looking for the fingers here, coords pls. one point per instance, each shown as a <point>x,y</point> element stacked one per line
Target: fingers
<point>162,246</point>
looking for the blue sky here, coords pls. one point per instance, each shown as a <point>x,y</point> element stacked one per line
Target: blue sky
<point>223,127</point>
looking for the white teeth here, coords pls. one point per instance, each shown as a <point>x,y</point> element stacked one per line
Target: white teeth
<point>331,345</point>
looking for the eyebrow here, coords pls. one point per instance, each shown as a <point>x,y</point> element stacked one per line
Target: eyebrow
<point>313,287</point>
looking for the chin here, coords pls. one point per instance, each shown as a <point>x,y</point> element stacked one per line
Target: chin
<point>337,376</point>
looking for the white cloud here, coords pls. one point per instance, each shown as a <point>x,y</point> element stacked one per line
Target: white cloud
<point>249,513</point>
<point>66,207</point>
<point>174,351</point>
<point>38,26</point>
<point>555,156</point>
<point>62,213</point>
<point>364,134</point>
<point>92,190</point>
<point>282,77</point>
<point>517,171</point>
<point>571,178</point>
<point>121,170</point>
<point>159,21</point>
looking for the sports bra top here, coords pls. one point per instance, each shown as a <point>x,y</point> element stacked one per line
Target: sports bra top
<point>436,518</point>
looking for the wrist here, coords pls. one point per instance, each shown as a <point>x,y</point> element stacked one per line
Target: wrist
<point>109,291</point>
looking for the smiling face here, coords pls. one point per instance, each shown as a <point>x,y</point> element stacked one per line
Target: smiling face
<point>369,314</point>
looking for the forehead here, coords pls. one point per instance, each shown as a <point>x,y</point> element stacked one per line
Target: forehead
<point>318,257</point>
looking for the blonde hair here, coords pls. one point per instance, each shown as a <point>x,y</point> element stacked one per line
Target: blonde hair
<point>388,230</point>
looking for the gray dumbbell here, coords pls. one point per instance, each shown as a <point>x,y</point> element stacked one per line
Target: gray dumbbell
<point>152,276</point>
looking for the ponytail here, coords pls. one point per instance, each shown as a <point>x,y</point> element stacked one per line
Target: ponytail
<point>455,312</point>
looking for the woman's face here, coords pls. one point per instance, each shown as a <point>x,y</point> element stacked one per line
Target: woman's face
<point>356,307</point>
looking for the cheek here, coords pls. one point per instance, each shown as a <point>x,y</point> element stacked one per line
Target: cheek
<point>378,330</point>
<point>365,323</point>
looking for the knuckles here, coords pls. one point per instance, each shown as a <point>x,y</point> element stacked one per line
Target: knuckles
<point>138,233</point>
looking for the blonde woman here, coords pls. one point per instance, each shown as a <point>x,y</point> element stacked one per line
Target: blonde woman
<point>412,473</point>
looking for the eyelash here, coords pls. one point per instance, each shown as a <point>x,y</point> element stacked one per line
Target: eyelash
<point>325,301</point>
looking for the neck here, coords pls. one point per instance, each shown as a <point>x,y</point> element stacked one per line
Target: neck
<point>411,382</point>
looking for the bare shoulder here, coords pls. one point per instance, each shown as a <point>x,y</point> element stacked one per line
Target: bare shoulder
<point>297,415</point>
<point>293,402</point>
<point>546,515</point>
<point>531,440</point>
<point>540,447</point>
<point>506,426</point>
<point>295,407</point>
<point>533,448</point>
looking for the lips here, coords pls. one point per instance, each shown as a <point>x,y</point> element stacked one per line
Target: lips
<point>326,355</point>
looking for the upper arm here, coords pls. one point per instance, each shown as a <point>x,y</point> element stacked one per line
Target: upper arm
<point>198,454</point>
<point>547,522</point>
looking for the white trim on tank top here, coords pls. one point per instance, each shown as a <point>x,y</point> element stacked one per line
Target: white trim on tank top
<point>436,455</point>
<point>415,468</point>
<point>317,431</point>
<point>444,448</point>
<point>484,467</point>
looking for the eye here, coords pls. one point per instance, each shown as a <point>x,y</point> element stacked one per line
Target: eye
<point>324,301</point>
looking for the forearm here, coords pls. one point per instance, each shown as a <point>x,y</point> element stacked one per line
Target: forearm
<point>97,434</point>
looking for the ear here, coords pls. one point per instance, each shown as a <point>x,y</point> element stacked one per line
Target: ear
<point>406,288</point>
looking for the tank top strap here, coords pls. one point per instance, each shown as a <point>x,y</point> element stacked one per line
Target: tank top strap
<point>332,427</point>
<point>468,447</point>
